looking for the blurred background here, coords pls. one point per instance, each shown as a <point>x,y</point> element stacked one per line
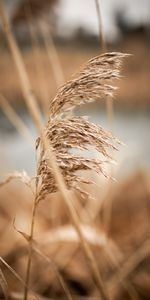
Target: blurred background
<point>56,37</point>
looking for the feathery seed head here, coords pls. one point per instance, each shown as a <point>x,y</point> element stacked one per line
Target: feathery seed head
<point>93,82</point>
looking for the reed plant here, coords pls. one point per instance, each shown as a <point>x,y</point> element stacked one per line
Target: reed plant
<point>58,166</point>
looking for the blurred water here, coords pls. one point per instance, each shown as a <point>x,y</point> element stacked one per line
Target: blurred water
<point>132,128</point>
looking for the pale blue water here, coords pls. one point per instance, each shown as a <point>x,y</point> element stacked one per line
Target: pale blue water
<point>132,128</point>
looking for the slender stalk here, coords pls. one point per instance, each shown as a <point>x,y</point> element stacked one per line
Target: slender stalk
<point>35,113</point>
<point>17,276</point>
<point>131,263</point>
<point>75,220</point>
<point>37,60</point>
<point>109,103</point>
<point>23,77</point>
<point>100,24</point>
<point>28,271</point>
<point>52,55</point>
<point>59,276</point>
<point>110,117</point>
<point>15,119</point>
<point>4,285</point>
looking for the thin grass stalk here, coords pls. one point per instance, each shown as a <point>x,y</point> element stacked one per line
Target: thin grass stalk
<point>36,249</point>
<point>16,121</point>
<point>17,276</point>
<point>60,278</point>
<point>35,113</point>
<point>4,285</point>
<point>107,205</point>
<point>30,250</point>
<point>109,103</point>
<point>23,77</point>
<point>100,25</point>
<point>33,109</point>
<point>52,55</point>
<point>112,256</point>
<point>39,68</point>
<point>38,64</point>
<point>75,220</point>
<point>6,181</point>
<point>110,114</point>
<point>131,263</point>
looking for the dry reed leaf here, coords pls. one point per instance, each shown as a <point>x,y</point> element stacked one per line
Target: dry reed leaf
<point>14,118</point>
<point>36,249</point>
<point>4,285</point>
<point>17,276</point>
<point>23,176</point>
<point>65,133</point>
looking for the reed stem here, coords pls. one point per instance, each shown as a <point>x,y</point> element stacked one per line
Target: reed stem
<point>103,46</point>
<point>35,113</point>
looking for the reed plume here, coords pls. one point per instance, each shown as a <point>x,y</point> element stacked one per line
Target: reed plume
<point>64,133</point>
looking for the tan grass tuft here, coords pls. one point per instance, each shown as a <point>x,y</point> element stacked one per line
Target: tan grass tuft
<point>65,133</point>
<point>78,133</point>
<point>92,83</point>
<point>92,77</point>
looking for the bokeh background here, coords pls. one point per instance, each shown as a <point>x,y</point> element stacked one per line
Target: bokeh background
<point>55,38</point>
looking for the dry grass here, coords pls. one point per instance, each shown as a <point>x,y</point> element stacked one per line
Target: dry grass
<point>63,133</point>
<point>62,256</point>
<point>48,149</point>
<point>58,241</point>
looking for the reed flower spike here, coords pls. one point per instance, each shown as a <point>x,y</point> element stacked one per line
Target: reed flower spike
<point>68,133</point>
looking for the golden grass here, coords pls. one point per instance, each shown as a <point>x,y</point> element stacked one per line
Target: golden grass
<point>61,244</point>
<point>52,161</point>
<point>56,172</point>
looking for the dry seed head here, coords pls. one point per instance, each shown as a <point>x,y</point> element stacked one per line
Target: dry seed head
<point>92,83</point>
<point>64,133</point>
